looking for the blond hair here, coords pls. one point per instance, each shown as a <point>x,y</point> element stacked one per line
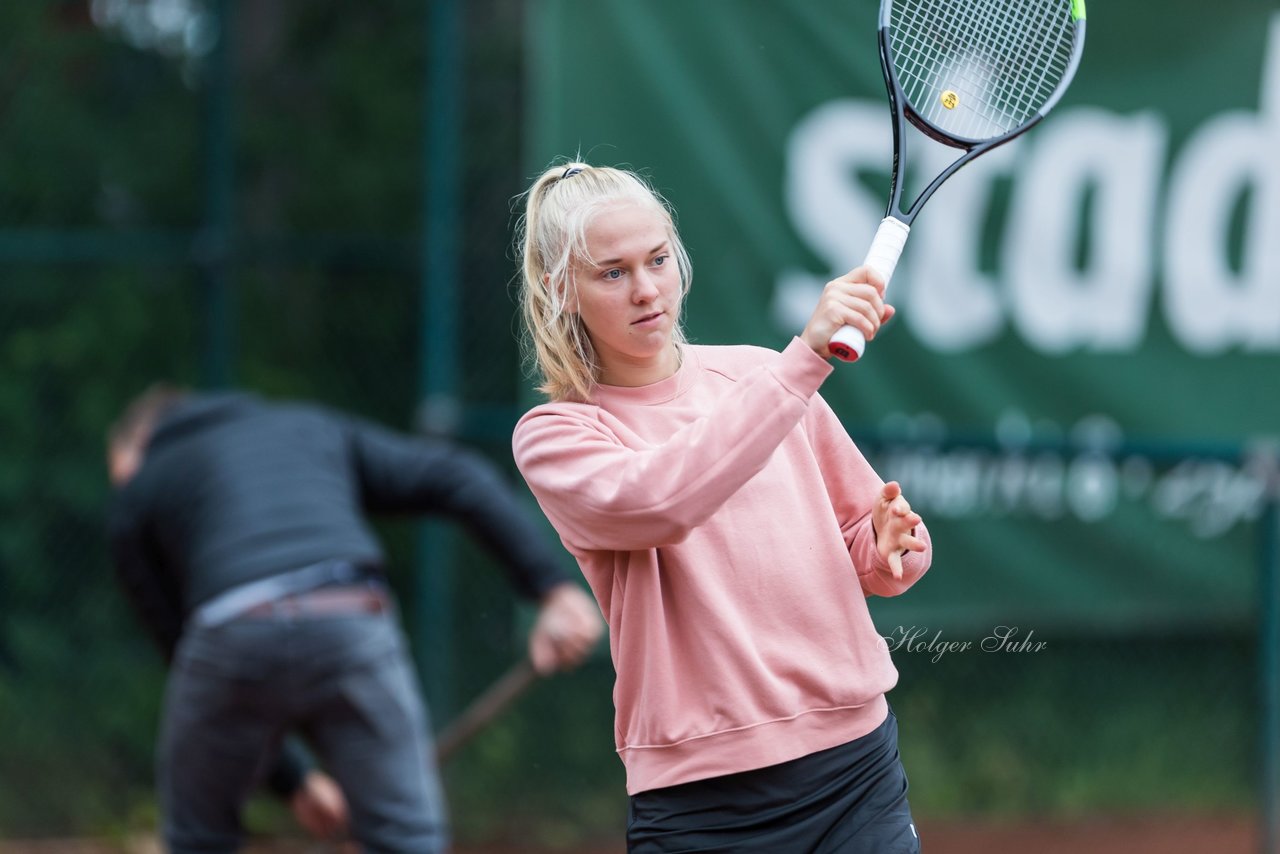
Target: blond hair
<point>551,237</point>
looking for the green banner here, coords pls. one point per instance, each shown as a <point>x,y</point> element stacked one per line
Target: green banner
<point>1107,285</point>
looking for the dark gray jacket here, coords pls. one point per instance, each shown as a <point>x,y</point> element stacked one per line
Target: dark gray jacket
<point>234,488</point>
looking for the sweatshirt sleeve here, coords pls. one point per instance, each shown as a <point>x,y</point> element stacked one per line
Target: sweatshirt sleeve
<point>853,486</point>
<point>601,494</point>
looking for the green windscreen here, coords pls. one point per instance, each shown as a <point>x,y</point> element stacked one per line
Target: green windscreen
<point>1091,305</point>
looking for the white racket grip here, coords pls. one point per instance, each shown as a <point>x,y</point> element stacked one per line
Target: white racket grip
<point>848,343</point>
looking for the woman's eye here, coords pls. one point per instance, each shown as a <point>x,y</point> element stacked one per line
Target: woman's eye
<point>660,260</point>
<point>615,273</point>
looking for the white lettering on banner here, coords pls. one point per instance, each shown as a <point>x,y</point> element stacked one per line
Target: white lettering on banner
<point>1086,481</point>
<point>1040,289</point>
<point>1104,306</point>
<point>1209,306</point>
<point>952,303</point>
<point>824,153</point>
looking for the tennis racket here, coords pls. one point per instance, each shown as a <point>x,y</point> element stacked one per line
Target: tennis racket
<point>971,74</point>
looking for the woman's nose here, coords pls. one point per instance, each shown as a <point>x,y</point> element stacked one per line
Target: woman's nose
<point>646,289</point>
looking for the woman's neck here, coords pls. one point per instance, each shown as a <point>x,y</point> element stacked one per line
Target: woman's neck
<point>632,374</point>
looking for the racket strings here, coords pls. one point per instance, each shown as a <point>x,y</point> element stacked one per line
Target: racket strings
<point>1009,104</point>
<point>983,70</point>
<point>1002,59</point>
<point>1001,92</point>
<point>1042,65</point>
<point>989,103</point>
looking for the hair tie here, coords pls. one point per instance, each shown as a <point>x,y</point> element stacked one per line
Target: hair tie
<point>570,171</point>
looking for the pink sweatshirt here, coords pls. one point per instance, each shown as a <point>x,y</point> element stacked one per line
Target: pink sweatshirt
<point>722,517</point>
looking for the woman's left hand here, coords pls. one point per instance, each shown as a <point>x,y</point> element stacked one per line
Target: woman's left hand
<point>894,523</point>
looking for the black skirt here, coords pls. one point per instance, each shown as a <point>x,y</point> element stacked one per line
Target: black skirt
<point>850,799</point>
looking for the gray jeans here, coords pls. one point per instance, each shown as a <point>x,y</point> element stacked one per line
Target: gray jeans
<point>345,683</point>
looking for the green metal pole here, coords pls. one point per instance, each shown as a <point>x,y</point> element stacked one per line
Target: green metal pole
<point>1269,660</point>
<point>439,410</point>
<point>212,246</point>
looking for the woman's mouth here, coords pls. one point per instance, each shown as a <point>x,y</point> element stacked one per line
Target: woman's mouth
<point>647,319</point>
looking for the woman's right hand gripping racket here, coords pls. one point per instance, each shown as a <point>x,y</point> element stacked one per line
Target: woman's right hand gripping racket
<point>972,74</point>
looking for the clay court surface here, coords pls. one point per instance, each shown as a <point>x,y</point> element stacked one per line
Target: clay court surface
<point>1146,835</point>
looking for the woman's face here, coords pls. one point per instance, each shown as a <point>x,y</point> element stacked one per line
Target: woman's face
<point>629,297</point>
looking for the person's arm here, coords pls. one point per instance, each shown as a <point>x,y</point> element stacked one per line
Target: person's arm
<point>288,769</point>
<point>567,628</point>
<point>314,798</point>
<point>858,499</point>
<point>601,494</point>
<point>320,807</point>
<point>401,474</point>
<point>153,593</point>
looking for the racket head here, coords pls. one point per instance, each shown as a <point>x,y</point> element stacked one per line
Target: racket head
<point>971,73</point>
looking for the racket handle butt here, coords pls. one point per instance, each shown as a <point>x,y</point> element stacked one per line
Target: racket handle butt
<point>847,344</point>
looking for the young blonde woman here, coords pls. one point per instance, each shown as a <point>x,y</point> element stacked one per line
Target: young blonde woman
<point>730,531</point>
